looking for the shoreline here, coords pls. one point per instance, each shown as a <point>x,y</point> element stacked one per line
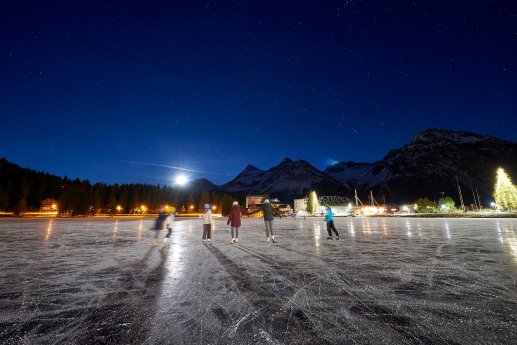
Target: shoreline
<point>33,215</point>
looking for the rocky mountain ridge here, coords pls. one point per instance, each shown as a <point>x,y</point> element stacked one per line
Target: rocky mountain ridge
<point>435,161</point>
<point>287,180</point>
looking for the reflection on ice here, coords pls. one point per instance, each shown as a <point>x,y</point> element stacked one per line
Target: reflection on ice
<point>384,227</point>
<point>49,230</point>
<point>447,230</point>
<point>115,228</point>
<point>408,226</point>
<point>351,228</point>
<point>500,234</point>
<point>317,233</point>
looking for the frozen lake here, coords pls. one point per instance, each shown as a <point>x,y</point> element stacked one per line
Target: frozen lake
<point>386,281</point>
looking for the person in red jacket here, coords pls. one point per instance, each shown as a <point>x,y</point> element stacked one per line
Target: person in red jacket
<point>234,220</point>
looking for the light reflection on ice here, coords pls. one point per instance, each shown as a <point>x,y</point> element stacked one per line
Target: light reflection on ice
<point>366,226</point>
<point>115,229</point>
<point>512,243</point>
<point>408,226</point>
<point>49,230</point>
<point>317,233</point>
<point>351,228</point>
<point>500,235</point>
<point>140,227</point>
<point>447,230</point>
<point>384,227</point>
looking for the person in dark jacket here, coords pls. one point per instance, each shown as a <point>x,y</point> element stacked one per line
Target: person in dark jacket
<point>330,224</point>
<point>234,220</point>
<point>269,216</point>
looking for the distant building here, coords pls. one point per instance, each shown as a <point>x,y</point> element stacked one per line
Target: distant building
<point>254,200</point>
<point>49,205</point>
<point>300,205</point>
<point>285,209</point>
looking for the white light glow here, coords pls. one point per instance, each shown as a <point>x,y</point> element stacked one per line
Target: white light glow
<point>181,180</point>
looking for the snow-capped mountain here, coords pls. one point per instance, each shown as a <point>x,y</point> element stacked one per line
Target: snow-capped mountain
<point>287,181</point>
<point>430,164</point>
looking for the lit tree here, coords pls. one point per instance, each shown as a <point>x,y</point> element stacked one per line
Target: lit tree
<point>425,205</point>
<point>446,204</point>
<point>505,193</point>
<point>312,203</point>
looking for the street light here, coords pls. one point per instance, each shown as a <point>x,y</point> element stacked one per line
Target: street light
<point>119,208</point>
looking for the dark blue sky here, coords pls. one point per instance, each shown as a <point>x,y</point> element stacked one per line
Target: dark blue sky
<point>111,92</point>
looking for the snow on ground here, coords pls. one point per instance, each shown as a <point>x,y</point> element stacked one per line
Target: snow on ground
<point>386,281</point>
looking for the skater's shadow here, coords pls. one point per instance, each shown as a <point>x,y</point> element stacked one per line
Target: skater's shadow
<point>269,303</point>
<point>128,301</point>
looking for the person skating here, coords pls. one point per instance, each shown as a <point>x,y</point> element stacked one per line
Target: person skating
<point>164,221</point>
<point>234,220</point>
<point>330,224</point>
<point>269,216</point>
<point>169,221</point>
<point>208,221</point>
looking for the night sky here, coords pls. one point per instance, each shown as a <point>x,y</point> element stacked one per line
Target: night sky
<point>127,91</point>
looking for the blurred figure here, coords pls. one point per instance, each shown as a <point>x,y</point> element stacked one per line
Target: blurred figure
<point>161,220</point>
<point>208,221</point>
<point>169,222</point>
<point>164,221</point>
<point>234,220</point>
<point>330,224</point>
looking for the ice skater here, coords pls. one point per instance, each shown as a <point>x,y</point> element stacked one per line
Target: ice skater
<point>330,224</point>
<point>269,216</point>
<point>169,222</point>
<point>164,221</point>
<point>234,220</point>
<point>208,221</point>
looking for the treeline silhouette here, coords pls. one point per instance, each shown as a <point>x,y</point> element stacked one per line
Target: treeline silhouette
<point>23,189</point>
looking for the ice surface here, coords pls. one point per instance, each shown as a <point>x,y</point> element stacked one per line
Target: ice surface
<point>386,281</point>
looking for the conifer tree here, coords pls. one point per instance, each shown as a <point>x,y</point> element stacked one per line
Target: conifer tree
<point>505,193</point>
<point>312,203</point>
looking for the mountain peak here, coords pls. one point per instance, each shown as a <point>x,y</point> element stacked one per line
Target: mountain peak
<point>250,168</point>
<point>285,162</point>
<point>445,135</point>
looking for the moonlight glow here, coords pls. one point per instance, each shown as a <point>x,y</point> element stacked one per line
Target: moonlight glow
<point>181,180</point>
